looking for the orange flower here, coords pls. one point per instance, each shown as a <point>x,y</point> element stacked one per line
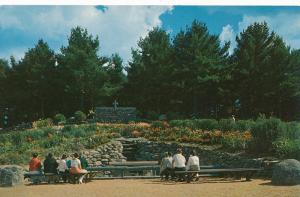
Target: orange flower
<point>50,135</point>
<point>136,133</point>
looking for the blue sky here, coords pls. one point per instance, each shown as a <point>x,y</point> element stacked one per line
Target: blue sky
<point>120,27</point>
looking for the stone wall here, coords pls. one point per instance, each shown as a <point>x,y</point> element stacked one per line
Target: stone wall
<point>147,150</point>
<point>11,175</point>
<point>105,153</point>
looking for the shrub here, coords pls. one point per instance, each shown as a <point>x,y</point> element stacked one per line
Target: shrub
<point>42,123</point>
<point>233,143</point>
<point>287,149</point>
<point>71,120</point>
<point>70,131</point>
<point>243,125</point>
<point>59,119</point>
<point>173,116</point>
<point>235,140</point>
<point>264,132</point>
<point>67,128</point>
<point>136,133</point>
<point>79,116</point>
<point>90,128</point>
<point>4,138</point>
<point>33,135</point>
<point>49,132</point>
<point>292,130</point>
<point>126,131</point>
<point>205,124</point>
<point>152,115</point>
<point>226,125</point>
<point>52,141</point>
<point>177,123</point>
<point>159,124</point>
<point>17,139</point>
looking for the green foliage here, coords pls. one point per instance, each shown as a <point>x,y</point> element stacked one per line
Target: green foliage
<point>71,131</point>
<point>292,130</point>
<point>59,119</point>
<point>35,134</point>
<point>97,140</point>
<point>17,139</point>
<point>148,73</point>
<point>42,123</point>
<point>181,123</point>
<point>233,143</point>
<point>266,131</point>
<point>173,116</point>
<point>159,124</point>
<point>79,116</point>
<point>4,138</point>
<point>243,125</point>
<point>152,115</point>
<point>206,124</point>
<point>261,72</point>
<point>287,149</point>
<point>226,125</point>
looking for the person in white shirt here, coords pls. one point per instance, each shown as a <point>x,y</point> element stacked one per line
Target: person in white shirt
<point>179,163</point>
<point>63,168</point>
<point>193,165</point>
<point>166,166</point>
<point>76,168</point>
<point>193,162</point>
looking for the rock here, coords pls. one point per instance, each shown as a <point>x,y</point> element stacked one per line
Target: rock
<point>286,172</point>
<point>92,152</point>
<point>105,157</point>
<point>11,175</point>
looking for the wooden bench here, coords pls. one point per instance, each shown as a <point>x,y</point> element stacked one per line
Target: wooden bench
<point>74,178</point>
<point>238,173</point>
<point>134,163</point>
<point>122,170</point>
<point>55,178</point>
<point>42,177</point>
<point>52,177</point>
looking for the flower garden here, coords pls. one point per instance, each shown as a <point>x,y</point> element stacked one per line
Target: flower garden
<point>271,137</point>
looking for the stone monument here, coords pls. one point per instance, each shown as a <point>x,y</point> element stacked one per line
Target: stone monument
<point>115,113</point>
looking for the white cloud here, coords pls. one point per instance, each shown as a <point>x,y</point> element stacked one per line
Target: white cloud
<point>226,35</point>
<point>118,28</point>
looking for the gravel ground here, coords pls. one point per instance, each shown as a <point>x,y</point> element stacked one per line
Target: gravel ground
<point>141,188</point>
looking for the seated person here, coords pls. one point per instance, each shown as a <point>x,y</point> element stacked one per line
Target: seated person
<point>166,166</point>
<point>69,162</point>
<point>83,161</point>
<point>193,165</point>
<point>179,163</point>
<point>50,164</point>
<point>76,167</point>
<point>35,164</point>
<point>62,168</point>
<point>35,167</point>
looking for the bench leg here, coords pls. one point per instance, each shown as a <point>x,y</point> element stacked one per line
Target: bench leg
<point>248,176</point>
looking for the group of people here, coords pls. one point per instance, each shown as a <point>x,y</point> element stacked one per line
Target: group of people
<point>169,165</point>
<point>78,164</point>
<point>63,167</point>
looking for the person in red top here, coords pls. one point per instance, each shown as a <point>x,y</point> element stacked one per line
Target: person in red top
<point>35,164</point>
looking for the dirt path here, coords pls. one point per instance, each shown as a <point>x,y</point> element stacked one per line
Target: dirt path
<point>141,188</point>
